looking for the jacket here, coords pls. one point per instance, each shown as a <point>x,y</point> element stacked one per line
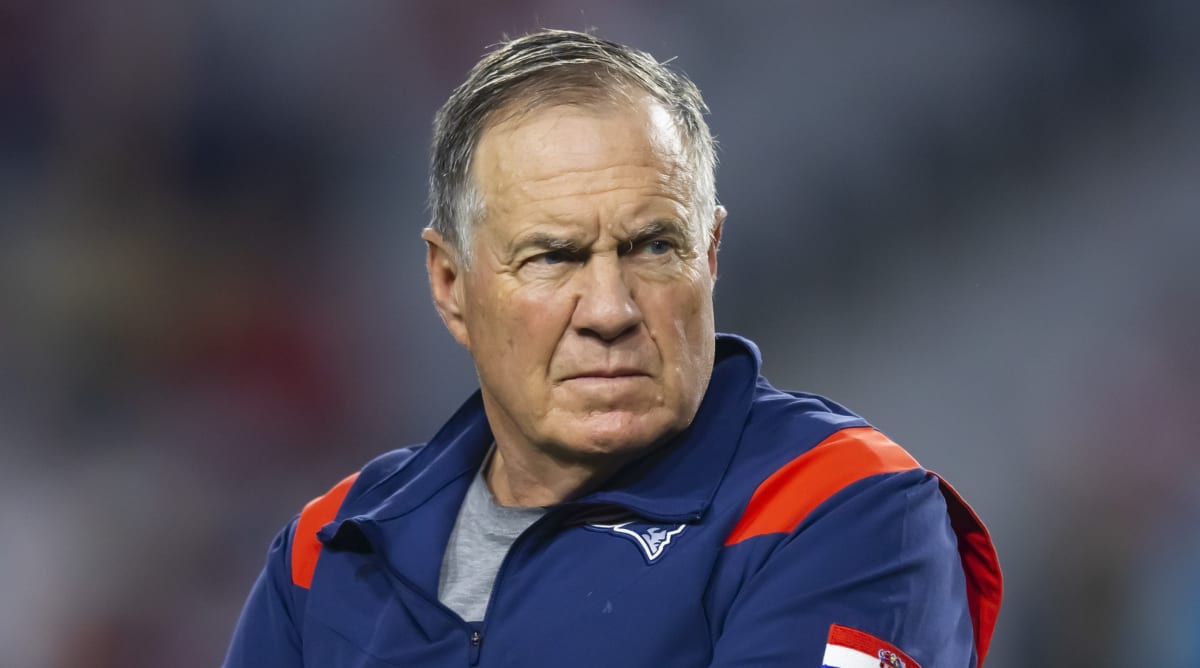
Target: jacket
<point>775,527</point>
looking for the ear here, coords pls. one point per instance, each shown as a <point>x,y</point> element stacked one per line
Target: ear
<point>714,241</point>
<point>446,283</point>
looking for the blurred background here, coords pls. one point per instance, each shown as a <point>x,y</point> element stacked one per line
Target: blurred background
<point>978,226</point>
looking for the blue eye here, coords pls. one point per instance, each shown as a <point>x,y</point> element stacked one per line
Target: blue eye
<point>552,257</point>
<point>659,246</point>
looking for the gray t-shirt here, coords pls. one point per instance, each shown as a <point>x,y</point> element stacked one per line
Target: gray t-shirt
<point>481,537</point>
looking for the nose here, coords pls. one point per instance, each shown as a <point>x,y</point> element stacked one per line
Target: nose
<point>606,308</point>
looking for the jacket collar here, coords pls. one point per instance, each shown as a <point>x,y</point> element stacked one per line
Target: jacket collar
<point>675,482</point>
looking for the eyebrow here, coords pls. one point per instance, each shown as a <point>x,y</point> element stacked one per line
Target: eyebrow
<point>553,242</point>
<point>546,241</point>
<point>658,228</point>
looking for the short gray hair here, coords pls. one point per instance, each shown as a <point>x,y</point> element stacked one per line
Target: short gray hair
<point>544,68</point>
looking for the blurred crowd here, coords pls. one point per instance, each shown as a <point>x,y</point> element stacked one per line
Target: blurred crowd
<point>976,225</point>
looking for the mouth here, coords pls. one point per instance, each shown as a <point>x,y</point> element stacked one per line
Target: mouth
<point>607,374</point>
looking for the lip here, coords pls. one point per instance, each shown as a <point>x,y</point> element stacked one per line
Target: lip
<point>607,374</point>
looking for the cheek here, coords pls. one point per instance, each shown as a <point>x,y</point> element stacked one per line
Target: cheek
<point>680,320</point>
<point>490,322</point>
<point>520,328</point>
<point>687,305</point>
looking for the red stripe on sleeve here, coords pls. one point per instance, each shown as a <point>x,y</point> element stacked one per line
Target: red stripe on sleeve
<point>316,514</point>
<point>782,501</point>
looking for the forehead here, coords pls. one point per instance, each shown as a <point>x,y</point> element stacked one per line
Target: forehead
<point>581,149</point>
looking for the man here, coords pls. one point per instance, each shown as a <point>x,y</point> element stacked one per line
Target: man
<point>625,488</point>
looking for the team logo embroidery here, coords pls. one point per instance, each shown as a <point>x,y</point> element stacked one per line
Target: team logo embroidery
<point>651,538</point>
<point>888,659</point>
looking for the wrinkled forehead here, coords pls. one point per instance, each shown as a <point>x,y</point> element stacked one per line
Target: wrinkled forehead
<point>534,145</point>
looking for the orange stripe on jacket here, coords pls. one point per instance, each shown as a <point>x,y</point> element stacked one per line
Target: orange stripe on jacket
<point>316,514</point>
<point>782,501</point>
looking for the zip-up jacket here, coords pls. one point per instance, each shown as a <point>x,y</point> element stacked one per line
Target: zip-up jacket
<point>779,529</point>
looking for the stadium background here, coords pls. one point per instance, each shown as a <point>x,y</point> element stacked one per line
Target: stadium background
<point>976,225</point>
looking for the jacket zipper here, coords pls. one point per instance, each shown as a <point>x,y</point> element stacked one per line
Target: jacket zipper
<point>476,641</point>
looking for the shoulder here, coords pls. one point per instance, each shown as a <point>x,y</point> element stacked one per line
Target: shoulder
<point>369,484</point>
<point>803,417</point>
<point>816,477</point>
<point>796,444</point>
<point>377,479</point>
<point>808,473</point>
<point>802,454</point>
<point>362,490</point>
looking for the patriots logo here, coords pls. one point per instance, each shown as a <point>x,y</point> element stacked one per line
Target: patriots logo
<point>651,538</point>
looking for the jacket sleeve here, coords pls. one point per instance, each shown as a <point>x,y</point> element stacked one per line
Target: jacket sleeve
<point>267,635</point>
<point>879,557</point>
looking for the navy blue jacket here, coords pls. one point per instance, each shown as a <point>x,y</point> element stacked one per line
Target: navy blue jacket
<point>773,519</point>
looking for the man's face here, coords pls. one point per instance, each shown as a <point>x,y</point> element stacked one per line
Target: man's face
<point>587,306</point>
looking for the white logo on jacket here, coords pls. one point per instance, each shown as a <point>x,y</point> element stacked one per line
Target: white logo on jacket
<point>652,539</point>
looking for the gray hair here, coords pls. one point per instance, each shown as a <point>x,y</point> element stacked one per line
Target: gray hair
<point>552,67</point>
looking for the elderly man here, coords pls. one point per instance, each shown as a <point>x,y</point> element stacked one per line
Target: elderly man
<point>625,488</point>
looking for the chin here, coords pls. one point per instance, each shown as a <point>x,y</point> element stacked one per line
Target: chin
<point>617,433</point>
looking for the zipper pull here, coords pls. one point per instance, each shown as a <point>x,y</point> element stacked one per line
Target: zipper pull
<point>476,641</point>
